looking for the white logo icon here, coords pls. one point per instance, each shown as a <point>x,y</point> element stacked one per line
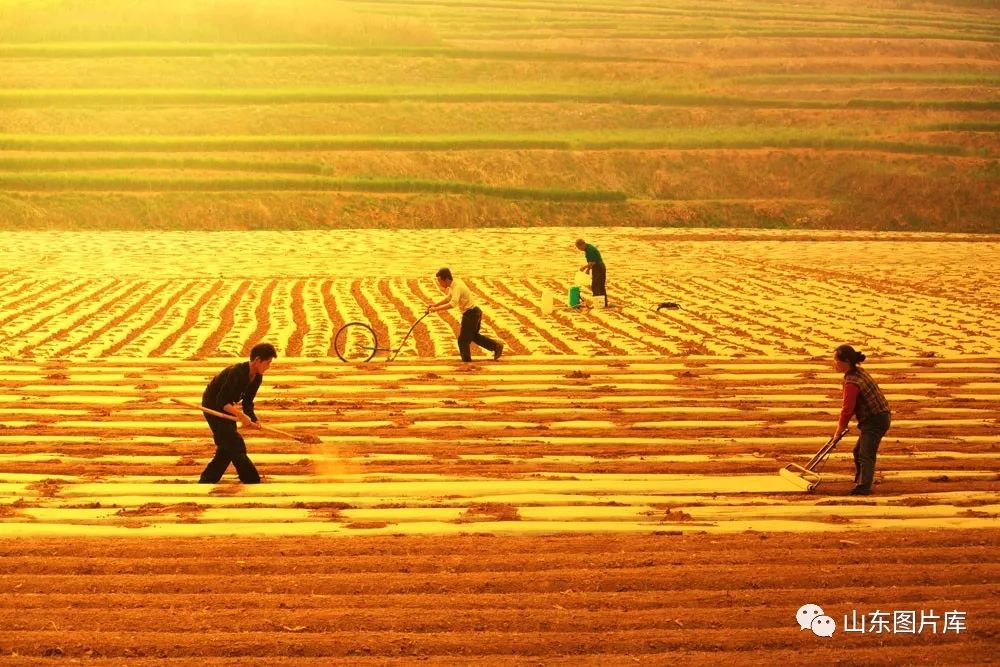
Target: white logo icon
<point>806,614</point>
<point>811,617</point>
<point>823,626</point>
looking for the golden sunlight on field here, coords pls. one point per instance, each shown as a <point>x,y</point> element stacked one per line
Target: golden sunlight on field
<point>180,181</point>
<point>197,294</point>
<point>660,431</point>
<point>103,330</point>
<point>304,114</point>
<point>617,445</point>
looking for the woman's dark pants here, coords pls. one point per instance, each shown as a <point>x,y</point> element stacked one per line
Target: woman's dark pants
<point>872,431</point>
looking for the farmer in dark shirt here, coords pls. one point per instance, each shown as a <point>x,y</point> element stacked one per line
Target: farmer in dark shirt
<point>233,386</point>
<point>595,267</point>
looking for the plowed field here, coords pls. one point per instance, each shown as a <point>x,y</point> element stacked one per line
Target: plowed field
<point>558,600</point>
<point>606,493</point>
<point>743,294</point>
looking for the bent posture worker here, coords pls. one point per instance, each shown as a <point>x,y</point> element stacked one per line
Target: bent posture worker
<point>458,294</point>
<point>862,398</point>
<point>232,391</point>
<point>595,267</point>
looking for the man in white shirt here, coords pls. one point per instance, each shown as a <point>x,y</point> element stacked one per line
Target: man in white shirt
<point>457,294</point>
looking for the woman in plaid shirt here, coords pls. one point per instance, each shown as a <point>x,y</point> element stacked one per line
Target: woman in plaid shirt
<point>864,400</point>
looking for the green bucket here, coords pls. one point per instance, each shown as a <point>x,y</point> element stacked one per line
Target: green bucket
<point>574,296</point>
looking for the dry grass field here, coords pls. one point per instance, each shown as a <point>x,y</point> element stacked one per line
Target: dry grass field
<point>398,114</point>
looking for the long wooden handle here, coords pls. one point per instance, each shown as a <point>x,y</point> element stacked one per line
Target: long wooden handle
<point>308,439</point>
<point>278,431</point>
<point>210,411</point>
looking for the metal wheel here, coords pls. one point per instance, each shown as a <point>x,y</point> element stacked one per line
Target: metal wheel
<point>355,342</point>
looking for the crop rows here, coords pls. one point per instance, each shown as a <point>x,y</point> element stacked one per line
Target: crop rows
<point>180,318</point>
<point>737,297</point>
<point>478,599</point>
<point>623,444</point>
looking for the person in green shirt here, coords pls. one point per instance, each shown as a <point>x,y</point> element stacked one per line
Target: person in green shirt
<point>595,267</point>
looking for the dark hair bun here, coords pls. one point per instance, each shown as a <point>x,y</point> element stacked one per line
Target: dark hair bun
<point>849,354</point>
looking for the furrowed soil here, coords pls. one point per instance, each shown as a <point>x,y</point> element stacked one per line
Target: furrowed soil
<point>180,181</point>
<point>608,492</point>
<point>488,599</point>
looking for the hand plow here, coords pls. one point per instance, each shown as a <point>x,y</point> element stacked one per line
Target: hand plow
<point>807,477</point>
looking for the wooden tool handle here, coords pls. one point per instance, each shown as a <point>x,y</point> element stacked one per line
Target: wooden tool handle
<point>210,411</point>
<point>223,415</point>
<point>278,431</point>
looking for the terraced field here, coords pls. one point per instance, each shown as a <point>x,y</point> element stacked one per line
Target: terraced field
<point>397,114</point>
<point>607,492</point>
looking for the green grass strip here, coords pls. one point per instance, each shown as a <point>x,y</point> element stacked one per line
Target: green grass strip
<point>744,15</point>
<point>110,162</point>
<point>216,143</point>
<point>828,143</point>
<point>958,105</point>
<point>208,49</point>
<point>728,32</point>
<point>713,138</point>
<point>35,97</point>
<point>112,183</point>
<point>962,126</point>
<point>967,78</point>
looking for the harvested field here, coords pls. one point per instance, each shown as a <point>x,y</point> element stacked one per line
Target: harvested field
<point>606,493</point>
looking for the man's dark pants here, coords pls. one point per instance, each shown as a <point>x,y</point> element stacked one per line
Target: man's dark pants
<point>472,319</point>
<point>872,431</point>
<point>229,448</point>
<point>598,277</point>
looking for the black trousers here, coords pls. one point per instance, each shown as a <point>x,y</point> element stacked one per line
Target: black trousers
<point>872,431</point>
<point>229,448</point>
<point>472,319</point>
<point>598,278</point>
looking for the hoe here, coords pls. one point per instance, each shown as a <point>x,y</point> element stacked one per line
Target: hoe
<point>308,439</point>
<point>807,477</point>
